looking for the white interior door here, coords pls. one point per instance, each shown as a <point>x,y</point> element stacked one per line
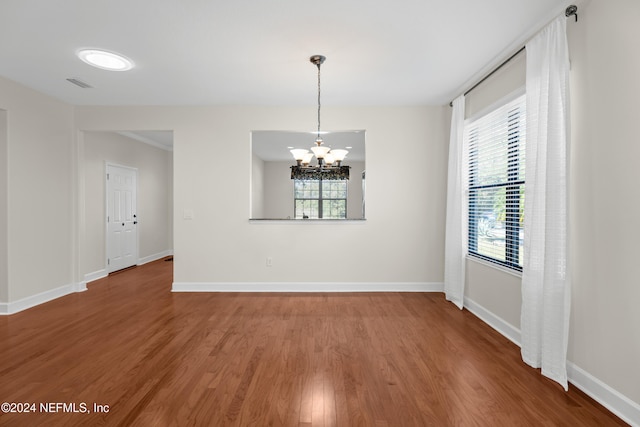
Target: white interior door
<point>122,236</point>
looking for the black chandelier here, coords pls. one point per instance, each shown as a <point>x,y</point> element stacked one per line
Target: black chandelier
<point>329,162</point>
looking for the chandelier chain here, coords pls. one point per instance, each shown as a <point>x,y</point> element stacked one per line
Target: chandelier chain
<point>329,161</point>
<point>318,101</point>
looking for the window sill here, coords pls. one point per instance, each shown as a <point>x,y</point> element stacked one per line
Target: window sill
<point>496,266</point>
<point>306,220</point>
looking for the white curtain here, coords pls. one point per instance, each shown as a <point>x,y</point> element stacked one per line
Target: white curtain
<point>546,284</point>
<point>455,249</point>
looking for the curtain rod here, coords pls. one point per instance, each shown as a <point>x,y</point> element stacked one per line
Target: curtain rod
<point>570,11</point>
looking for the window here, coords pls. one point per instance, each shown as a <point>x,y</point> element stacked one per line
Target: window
<point>496,145</point>
<point>320,198</point>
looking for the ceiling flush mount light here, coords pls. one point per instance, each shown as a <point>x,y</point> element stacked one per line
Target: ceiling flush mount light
<point>329,162</point>
<point>105,60</point>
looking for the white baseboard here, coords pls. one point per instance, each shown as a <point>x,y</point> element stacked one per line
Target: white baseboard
<point>307,287</point>
<point>155,257</point>
<point>623,407</point>
<point>509,331</point>
<point>80,287</point>
<point>41,298</point>
<point>99,274</point>
<point>90,277</point>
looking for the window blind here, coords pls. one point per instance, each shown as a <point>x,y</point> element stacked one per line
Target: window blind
<point>496,144</point>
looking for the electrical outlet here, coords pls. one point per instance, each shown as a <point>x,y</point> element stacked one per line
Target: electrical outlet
<point>269,261</point>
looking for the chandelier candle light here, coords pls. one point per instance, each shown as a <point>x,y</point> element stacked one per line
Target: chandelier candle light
<point>329,164</point>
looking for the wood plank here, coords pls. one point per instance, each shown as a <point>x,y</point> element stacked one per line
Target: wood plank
<point>175,359</point>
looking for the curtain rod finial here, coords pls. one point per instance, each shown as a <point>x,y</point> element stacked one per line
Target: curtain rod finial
<point>572,11</point>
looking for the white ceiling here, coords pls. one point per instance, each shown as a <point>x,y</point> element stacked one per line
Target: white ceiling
<point>212,52</point>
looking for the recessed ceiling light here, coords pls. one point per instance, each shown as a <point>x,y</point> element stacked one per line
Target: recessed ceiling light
<point>105,60</point>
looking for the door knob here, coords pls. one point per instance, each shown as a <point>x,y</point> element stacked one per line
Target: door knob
<point>135,222</point>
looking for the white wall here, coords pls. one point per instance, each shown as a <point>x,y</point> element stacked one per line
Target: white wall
<point>505,81</point>
<point>401,240</point>
<point>39,179</point>
<point>278,190</point>
<point>257,187</point>
<point>4,248</point>
<point>354,189</point>
<point>605,79</point>
<point>605,321</point>
<point>154,195</point>
<point>169,207</point>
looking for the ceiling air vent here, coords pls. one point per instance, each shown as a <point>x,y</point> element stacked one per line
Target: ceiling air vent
<point>80,83</point>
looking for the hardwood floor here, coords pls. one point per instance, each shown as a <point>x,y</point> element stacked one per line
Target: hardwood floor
<point>158,358</point>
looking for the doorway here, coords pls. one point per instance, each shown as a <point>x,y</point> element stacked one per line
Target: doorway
<point>150,154</point>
